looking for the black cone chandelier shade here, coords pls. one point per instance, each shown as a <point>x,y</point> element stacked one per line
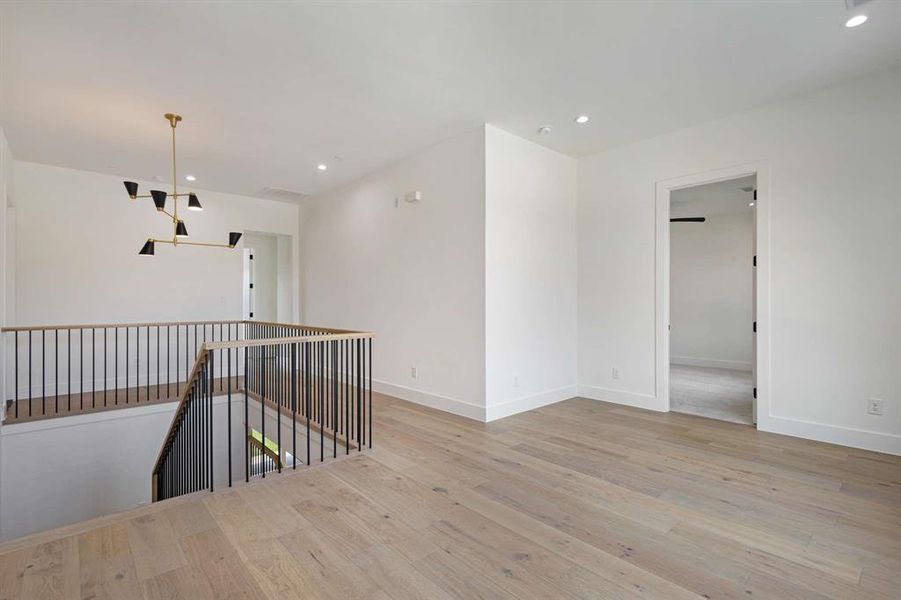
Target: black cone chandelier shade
<point>179,229</point>
<point>159,199</point>
<point>193,202</point>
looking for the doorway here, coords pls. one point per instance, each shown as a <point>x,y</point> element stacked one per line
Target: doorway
<point>712,300</point>
<point>268,283</point>
<point>713,294</point>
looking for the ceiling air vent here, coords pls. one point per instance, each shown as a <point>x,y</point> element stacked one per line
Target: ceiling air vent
<point>281,194</point>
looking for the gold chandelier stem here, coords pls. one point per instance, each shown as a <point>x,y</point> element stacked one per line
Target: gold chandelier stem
<point>174,183</point>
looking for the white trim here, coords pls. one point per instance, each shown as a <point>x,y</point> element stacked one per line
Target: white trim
<point>518,405</point>
<point>711,363</point>
<point>593,392</point>
<point>662,275</point>
<point>835,434</point>
<point>451,405</point>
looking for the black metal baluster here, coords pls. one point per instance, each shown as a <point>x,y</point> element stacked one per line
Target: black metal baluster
<point>229,430</point>
<point>147,383</point>
<point>93,371</point>
<point>307,374</point>
<point>105,367</point>
<point>293,383</point>
<point>29,372</point>
<point>16,390</point>
<point>69,361</point>
<point>322,391</point>
<point>209,420</point>
<point>43,371</point>
<point>278,419</point>
<point>116,365</point>
<point>369,363</point>
<point>157,362</point>
<point>56,369</point>
<point>127,366</point>
<point>334,403</point>
<point>348,377</point>
<point>359,395</point>
<point>263,399</point>
<point>246,421</point>
<point>168,366</point>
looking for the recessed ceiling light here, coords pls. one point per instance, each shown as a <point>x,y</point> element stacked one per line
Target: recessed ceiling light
<point>190,178</point>
<point>545,129</point>
<point>582,119</point>
<point>322,167</point>
<point>856,20</point>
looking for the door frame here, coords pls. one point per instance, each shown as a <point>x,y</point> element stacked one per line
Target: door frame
<point>763,273</point>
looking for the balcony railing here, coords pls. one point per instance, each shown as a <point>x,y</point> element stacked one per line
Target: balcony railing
<point>59,370</point>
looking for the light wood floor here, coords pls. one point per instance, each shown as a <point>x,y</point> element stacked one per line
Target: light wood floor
<point>722,394</point>
<point>581,499</point>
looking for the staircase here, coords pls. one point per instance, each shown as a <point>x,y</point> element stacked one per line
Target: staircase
<point>253,397</point>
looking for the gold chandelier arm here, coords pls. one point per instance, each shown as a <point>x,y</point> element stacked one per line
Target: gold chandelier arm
<point>180,243</point>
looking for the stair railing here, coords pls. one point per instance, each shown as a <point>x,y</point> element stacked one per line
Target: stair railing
<point>314,383</point>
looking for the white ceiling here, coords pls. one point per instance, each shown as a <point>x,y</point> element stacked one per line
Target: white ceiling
<point>268,90</point>
<point>720,198</point>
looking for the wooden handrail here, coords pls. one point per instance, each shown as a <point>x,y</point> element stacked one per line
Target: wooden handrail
<point>275,456</point>
<point>307,339</point>
<point>112,325</point>
<point>170,324</point>
<point>182,405</point>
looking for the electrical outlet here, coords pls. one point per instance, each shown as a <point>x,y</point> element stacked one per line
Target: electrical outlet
<point>616,373</point>
<point>413,372</point>
<point>874,406</point>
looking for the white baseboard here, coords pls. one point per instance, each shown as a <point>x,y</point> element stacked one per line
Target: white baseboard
<point>647,401</point>
<point>833,434</point>
<point>711,363</point>
<point>451,405</point>
<point>518,405</point>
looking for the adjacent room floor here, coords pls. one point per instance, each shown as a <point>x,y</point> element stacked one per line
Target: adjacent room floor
<point>581,499</point>
<point>721,394</point>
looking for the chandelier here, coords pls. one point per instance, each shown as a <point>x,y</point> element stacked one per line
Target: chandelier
<point>179,230</point>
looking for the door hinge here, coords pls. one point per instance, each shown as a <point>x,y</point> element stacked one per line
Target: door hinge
<point>755,393</point>
<point>251,286</point>
<point>251,314</point>
<point>755,194</point>
<point>755,260</point>
<point>755,327</point>
<point>251,257</point>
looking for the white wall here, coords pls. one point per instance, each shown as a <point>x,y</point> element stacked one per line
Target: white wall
<point>413,273</point>
<point>78,241</point>
<point>711,281</point>
<point>6,277</point>
<point>530,275</point>
<point>69,469</point>
<point>836,285</point>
